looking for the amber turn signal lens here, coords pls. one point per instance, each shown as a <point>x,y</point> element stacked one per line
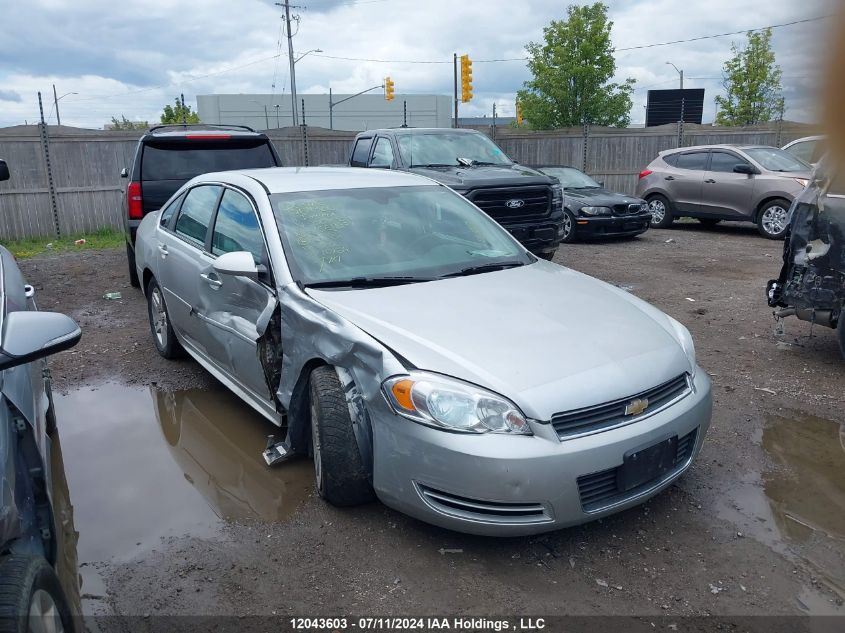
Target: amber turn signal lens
<point>402,394</point>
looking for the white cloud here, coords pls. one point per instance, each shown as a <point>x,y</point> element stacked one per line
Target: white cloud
<point>133,60</point>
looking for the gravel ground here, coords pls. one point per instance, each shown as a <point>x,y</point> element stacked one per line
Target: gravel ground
<point>708,545</point>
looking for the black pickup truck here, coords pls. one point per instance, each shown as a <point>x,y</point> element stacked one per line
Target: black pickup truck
<point>524,201</point>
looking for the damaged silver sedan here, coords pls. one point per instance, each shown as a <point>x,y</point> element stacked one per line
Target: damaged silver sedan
<point>420,353</point>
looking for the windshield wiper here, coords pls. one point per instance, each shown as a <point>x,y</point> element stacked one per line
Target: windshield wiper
<point>367,282</point>
<point>485,268</point>
<point>431,165</point>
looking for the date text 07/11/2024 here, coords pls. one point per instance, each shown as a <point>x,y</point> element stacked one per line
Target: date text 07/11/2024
<point>417,624</point>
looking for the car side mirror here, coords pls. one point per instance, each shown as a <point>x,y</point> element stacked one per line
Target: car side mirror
<point>4,171</point>
<point>124,173</point>
<point>745,168</point>
<point>239,264</point>
<point>30,335</point>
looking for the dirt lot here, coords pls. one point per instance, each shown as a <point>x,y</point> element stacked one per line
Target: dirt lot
<point>756,527</point>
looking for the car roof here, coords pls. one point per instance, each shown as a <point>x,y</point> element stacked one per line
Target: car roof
<point>417,130</point>
<point>693,148</point>
<point>294,179</point>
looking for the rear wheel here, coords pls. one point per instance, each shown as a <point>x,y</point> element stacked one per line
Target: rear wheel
<point>163,336</point>
<point>339,471</point>
<point>840,330</point>
<point>661,211</point>
<point>773,219</point>
<point>133,272</point>
<point>31,598</point>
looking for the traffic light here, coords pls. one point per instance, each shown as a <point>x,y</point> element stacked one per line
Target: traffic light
<point>518,113</point>
<point>466,78</point>
<point>388,88</point>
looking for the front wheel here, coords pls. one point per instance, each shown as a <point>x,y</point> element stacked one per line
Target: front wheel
<point>339,472</point>
<point>661,212</point>
<point>31,598</point>
<point>774,219</point>
<point>570,233</point>
<point>547,255</point>
<point>163,336</point>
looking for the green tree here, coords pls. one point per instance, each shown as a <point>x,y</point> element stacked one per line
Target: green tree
<point>125,124</point>
<point>179,113</point>
<point>572,69</point>
<point>751,78</point>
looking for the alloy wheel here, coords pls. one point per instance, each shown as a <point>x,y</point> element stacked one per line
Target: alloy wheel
<point>774,219</point>
<point>567,226</point>
<point>159,316</point>
<point>658,211</point>
<point>44,616</point>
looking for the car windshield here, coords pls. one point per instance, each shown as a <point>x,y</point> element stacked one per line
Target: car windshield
<point>775,159</point>
<point>445,148</point>
<point>400,233</point>
<point>571,178</point>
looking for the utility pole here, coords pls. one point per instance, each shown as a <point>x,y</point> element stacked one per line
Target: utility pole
<point>184,115</point>
<point>494,120</point>
<point>455,65</point>
<point>331,107</point>
<point>287,6</point>
<point>56,102</point>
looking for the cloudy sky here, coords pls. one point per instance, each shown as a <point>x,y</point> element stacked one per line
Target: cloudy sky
<point>131,58</point>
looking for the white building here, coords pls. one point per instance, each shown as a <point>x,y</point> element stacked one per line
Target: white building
<point>364,112</point>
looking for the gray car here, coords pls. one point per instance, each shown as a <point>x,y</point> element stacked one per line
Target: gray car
<point>30,593</point>
<point>724,182</point>
<point>398,334</point>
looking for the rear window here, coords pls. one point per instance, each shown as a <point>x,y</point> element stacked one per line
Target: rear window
<point>184,160</point>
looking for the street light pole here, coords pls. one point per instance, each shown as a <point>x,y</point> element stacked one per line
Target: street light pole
<point>680,72</point>
<point>286,5</point>
<point>56,103</point>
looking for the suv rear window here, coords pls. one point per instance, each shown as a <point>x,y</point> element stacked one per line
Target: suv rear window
<point>183,160</point>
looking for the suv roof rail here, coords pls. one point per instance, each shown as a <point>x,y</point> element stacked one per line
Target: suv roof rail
<point>192,126</point>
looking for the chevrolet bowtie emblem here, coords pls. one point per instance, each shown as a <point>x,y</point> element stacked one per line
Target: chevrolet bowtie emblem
<point>635,407</point>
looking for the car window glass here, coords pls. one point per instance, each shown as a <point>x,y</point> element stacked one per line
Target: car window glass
<point>183,161</point>
<point>169,210</point>
<point>236,227</point>
<point>196,212</point>
<point>383,154</point>
<point>725,162</point>
<point>570,178</point>
<point>775,159</point>
<point>803,150</point>
<point>671,159</point>
<point>361,151</point>
<point>693,160</point>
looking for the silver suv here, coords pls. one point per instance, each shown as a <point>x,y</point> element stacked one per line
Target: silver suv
<point>724,182</point>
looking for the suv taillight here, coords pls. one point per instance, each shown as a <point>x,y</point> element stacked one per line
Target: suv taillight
<point>133,197</point>
<point>644,173</point>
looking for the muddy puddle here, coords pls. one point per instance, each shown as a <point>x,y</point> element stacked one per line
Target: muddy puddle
<point>796,505</point>
<point>142,465</point>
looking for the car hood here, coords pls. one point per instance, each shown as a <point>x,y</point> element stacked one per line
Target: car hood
<point>549,338</point>
<point>464,178</point>
<point>577,198</point>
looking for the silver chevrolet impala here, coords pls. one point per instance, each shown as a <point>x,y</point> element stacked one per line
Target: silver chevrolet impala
<point>420,354</point>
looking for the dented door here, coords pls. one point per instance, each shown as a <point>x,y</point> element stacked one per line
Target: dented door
<point>235,310</point>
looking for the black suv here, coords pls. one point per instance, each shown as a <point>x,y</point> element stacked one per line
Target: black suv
<point>524,201</point>
<point>168,156</point>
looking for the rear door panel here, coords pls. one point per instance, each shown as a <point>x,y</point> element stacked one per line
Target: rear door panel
<point>684,182</point>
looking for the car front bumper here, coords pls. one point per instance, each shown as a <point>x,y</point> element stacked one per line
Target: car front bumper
<point>599,227</point>
<point>501,485</point>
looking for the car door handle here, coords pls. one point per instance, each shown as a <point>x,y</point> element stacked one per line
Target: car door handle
<point>162,248</point>
<point>710,181</point>
<point>669,178</point>
<point>211,280</point>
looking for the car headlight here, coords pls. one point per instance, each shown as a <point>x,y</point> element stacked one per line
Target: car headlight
<point>685,339</point>
<point>450,404</point>
<point>596,210</point>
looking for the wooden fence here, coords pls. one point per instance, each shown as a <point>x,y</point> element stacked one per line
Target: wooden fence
<point>86,184</point>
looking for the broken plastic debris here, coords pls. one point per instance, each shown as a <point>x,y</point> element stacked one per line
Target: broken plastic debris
<point>444,550</point>
<point>689,299</point>
<point>670,241</point>
<point>767,390</point>
<point>601,583</point>
<point>80,242</point>
<point>112,295</point>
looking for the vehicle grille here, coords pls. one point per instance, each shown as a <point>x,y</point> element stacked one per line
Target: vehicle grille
<point>600,490</point>
<point>487,511</point>
<point>536,202</point>
<point>607,416</point>
<point>626,209</point>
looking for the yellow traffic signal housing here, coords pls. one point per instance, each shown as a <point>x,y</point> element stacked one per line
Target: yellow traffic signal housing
<point>388,89</point>
<point>518,113</point>
<point>466,78</point>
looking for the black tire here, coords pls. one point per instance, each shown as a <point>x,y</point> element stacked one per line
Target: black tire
<point>840,330</point>
<point>547,255</point>
<point>709,222</point>
<point>661,211</point>
<point>773,228</point>
<point>339,472</point>
<point>570,228</point>
<point>27,584</point>
<point>162,331</point>
<point>133,272</point>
